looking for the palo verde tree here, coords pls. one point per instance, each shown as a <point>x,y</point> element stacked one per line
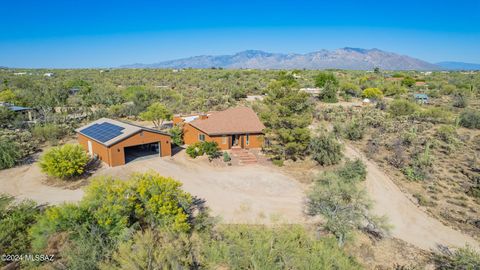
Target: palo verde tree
<point>157,113</point>
<point>286,113</point>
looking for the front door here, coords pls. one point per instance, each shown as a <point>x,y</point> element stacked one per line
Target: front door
<point>235,140</point>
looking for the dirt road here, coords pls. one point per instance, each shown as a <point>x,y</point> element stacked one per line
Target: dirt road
<point>411,224</point>
<point>237,194</point>
<point>27,182</point>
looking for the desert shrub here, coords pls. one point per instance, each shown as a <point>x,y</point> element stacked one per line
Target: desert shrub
<point>226,157</point>
<point>15,221</point>
<point>9,153</point>
<point>329,93</point>
<point>67,161</point>
<point>177,135</point>
<point>447,133</point>
<point>154,249</point>
<point>344,205</point>
<point>354,130</point>
<point>398,158</point>
<point>47,132</point>
<point>394,90</point>
<point>433,115</point>
<point>324,78</point>
<point>402,107</point>
<point>353,171</point>
<point>114,207</point>
<point>470,119</point>
<point>464,258</point>
<point>279,247</point>
<point>373,93</point>
<point>350,89</point>
<point>211,149</point>
<point>195,150</point>
<point>325,149</point>
<point>421,165</point>
<point>408,81</point>
<point>277,162</point>
<point>460,100</point>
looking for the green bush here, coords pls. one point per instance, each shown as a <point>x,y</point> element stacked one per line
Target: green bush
<point>354,130</point>
<point>195,150</point>
<point>177,135</point>
<point>9,153</point>
<point>329,93</point>
<point>47,132</point>
<point>402,107</point>
<point>65,161</point>
<point>211,149</point>
<point>434,115</point>
<point>325,149</point>
<point>464,258</point>
<point>447,133</point>
<point>226,157</point>
<point>353,171</point>
<point>15,221</point>
<point>324,78</point>
<point>279,247</point>
<point>110,207</point>
<point>470,119</point>
<point>373,93</point>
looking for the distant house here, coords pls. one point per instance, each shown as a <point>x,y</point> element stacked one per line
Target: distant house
<point>255,98</point>
<point>19,73</point>
<point>116,142</point>
<point>311,90</point>
<point>27,112</point>
<point>48,74</point>
<point>237,127</point>
<point>421,83</point>
<point>421,98</point>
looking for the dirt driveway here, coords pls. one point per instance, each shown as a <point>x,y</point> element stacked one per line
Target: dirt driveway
<point>411,224</point>
<point>238,194</point>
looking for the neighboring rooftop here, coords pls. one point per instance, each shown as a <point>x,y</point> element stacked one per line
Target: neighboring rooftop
<point>14,108</point>
<point>237,120</point>
<point>108,131</point>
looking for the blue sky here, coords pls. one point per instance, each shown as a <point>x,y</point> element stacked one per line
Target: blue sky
<point>111,33</point>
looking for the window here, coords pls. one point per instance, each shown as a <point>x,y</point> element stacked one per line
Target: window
<point>224,139</point>
<point>201,137</point>
<point>248,139</point>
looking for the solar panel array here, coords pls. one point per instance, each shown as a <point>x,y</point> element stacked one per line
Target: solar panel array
<point>102,132</point>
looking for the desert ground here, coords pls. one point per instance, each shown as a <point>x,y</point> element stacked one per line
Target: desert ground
<point>255,194</point>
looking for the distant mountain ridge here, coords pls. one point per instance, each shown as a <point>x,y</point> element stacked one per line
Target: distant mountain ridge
<point>450,65</point>
<point>344,58</point>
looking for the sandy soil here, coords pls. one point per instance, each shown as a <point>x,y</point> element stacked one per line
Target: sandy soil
<point>237,194</point>
<point>28,182</point>
<point>411,224</point>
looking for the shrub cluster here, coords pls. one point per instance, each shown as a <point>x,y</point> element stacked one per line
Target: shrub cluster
<point>67,161</point>
<point>470,119</point>
<point>325,149</point>
<point>211,149</point>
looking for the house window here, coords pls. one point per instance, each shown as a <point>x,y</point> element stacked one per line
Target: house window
<point>247,139</point>
<point>224,139</point>
<point>201,137</point>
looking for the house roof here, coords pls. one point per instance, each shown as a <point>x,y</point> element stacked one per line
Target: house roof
<point>96,131</point>
<point>422,96</point>
<point>14,108</point>
<point>235,120</point>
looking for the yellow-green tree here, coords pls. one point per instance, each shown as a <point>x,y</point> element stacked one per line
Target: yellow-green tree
<point>157,113</point>
<point>64,161</point>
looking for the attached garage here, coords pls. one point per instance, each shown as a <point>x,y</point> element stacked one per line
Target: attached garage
<point>117,143</point>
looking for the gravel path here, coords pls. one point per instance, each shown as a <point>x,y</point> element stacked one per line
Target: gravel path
<point>411,224</point>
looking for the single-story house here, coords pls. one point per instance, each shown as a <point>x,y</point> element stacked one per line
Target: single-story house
<point>235,127</point>
<point>117,142</point>
<point>421,98</point>
<point>26,112</point>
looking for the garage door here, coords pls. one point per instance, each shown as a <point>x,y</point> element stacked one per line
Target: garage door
<point>142,151</point>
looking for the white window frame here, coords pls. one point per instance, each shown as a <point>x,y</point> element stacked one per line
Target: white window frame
<point>224,139</point>
<point>200,137</point>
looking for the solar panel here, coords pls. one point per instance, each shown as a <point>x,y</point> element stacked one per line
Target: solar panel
<point>102,132</point>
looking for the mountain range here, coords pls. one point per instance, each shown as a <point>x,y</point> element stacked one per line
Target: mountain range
<point>344,58</point>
